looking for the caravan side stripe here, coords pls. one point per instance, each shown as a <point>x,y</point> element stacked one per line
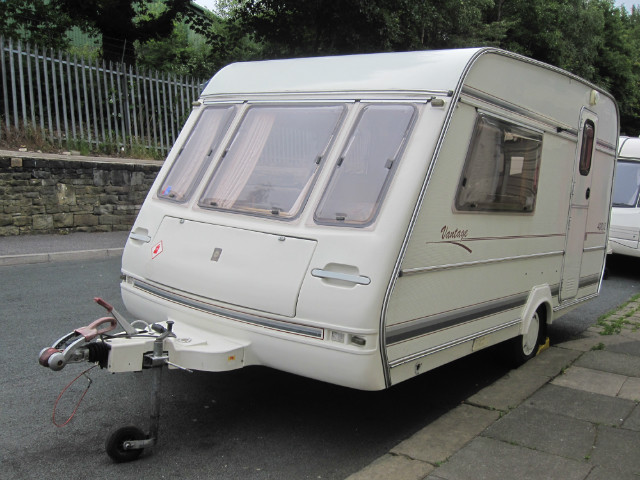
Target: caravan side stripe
<point>451,344</point>
<point>432,323</point>
<point>426,325</point>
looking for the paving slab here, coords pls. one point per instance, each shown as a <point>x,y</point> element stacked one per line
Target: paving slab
<point>550,362</point>
<point>530,427</point>
<point>489,459</point>
<point>583,344</point>
<point>632,422</point>
<point>631,334</point>
<point>630,347</point>
<point>605,340</point>
<point>631,389</point>
<point>582,405</point>
<point>604,473</point>
<point>390,467</point>
<point>512,389</point>
<point>509,391</point>
<point>617,448</point>
<point>611,361</point>
<point>445,436</point>
<point>590,380</point>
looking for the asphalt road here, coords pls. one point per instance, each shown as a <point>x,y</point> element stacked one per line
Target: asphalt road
<point>254,423</point>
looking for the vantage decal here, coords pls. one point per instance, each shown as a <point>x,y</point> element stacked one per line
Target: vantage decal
<point>454,236</point>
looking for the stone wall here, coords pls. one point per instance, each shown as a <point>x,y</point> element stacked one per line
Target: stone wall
<point>49,193</point>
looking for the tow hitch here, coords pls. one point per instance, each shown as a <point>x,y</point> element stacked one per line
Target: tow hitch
<point>91,343</point>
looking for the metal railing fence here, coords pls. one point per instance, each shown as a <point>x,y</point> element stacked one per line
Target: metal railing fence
<point>71,101</point>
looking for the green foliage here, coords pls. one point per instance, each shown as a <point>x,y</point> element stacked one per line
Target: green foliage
<point>120,23</point>
<point>181,53</point>
<point>591,38</point>
<point>594,39</point>
<point>319,27</point>
<point>35,21</point>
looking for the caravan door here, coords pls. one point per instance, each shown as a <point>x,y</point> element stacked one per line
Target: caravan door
<point>578,206</point>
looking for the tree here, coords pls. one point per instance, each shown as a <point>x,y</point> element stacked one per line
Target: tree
<point>617,64</point>
<point>35,21</point>
<point>201,51</point>
<point>323,27</point>
<point>295,28</point>
<point>591,38</point>
<point>123,22</point>
<point>445,24</point>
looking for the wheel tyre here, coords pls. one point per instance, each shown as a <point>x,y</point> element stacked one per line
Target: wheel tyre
<point>524,347</point>
<point>115,444</point>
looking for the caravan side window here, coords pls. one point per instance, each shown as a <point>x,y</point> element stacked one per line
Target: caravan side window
<point>273,160</point>
<point>501,169</point>
<point>366,166</point>
<point>586,152</point>
<point>195,155</point>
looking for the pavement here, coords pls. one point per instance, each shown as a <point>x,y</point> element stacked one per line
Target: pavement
<point>571,413</point>
<point>23,249</point>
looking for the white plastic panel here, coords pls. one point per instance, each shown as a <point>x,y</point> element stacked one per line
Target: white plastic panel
<point>240,267</point>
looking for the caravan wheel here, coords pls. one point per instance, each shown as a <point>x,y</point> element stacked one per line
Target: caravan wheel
<point>525,347</point>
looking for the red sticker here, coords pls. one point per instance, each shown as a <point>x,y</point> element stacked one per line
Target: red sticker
<point>157,249</point>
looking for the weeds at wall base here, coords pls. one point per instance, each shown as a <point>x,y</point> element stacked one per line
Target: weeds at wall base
<point>26,138</point>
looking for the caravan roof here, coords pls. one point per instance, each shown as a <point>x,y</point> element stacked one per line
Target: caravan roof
<point>629,147</point>
<point>438,70</point>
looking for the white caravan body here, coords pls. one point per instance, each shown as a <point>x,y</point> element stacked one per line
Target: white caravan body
<point>624,232</point>
<point>363,219</point>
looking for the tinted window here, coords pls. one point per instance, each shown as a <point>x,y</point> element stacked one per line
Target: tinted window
<point>366,165</point>
<point>501,168</point>
<point>273,159</point>
<point>196,153</point>
<point>627,185</point>
<point>586,152</point>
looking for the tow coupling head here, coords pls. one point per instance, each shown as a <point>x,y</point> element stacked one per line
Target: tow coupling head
<point>78,346</point>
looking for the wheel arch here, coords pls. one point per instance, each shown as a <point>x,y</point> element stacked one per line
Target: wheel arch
<point>539,301</point>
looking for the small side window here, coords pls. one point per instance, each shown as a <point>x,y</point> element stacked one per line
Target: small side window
<point>586,152</point>
<point>366,166</point>
<point>195,155</point>
<point>501,169</point>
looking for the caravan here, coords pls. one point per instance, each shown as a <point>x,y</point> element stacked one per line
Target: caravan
<point>624,233</point>
<point>363,219</point>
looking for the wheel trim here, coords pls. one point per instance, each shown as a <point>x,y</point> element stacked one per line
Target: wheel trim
<point>530,339</point>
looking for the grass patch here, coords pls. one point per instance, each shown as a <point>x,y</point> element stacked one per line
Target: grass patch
<point>612,322</point>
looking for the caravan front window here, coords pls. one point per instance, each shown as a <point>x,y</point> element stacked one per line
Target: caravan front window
<point>272,162</point>
<point>365,167</point>
<point>196,153</point>
<point>627,184</point>
<point>501,168</point>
